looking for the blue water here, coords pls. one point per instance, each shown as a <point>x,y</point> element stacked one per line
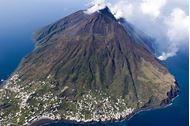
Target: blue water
<point>20,18</point>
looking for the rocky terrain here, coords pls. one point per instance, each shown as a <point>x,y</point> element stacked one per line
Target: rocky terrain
<point>86,67</point>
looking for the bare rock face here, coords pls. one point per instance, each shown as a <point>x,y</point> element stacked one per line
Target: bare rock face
<point>87,68</point>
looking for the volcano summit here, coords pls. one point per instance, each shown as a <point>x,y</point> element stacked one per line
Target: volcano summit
<point>86,67</point>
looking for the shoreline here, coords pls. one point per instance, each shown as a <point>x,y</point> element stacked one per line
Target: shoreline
<point>41,121</point>
<point>45,120</point>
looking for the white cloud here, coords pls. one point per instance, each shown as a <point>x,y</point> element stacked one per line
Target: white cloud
<point>164,55</point>
<point>152,7</point>
<point>178,25</point>
<point>172,50</point>
<point>122,9</point>
<point>177,31</point>
<point>96,5</point>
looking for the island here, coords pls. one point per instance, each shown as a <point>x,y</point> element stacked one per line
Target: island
<point>86,67</point>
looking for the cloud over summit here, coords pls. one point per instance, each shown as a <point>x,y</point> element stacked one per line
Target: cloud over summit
<point>96,5</point>
<point>165,20</point>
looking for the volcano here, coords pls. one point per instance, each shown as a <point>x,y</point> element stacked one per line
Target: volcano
<point>87,67</point>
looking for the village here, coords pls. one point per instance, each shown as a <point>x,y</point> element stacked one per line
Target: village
<point>86,109</point>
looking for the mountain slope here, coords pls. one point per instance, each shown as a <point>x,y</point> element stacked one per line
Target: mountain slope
<point>87,67</point>
<point>139,36</point>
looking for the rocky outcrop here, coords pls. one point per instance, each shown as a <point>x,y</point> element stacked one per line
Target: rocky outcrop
<point>174,91</point>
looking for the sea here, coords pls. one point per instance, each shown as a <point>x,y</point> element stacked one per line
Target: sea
<point>20,18</point>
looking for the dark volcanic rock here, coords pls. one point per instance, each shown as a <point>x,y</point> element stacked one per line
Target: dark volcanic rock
<point>174,91</point>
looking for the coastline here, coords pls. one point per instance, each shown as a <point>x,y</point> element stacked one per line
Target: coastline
<point>45,120</point>
<point>172,94</point>
<point>169,101</point>
<point>41,121</point>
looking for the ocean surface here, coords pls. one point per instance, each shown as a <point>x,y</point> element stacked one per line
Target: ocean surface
<point>20,18</point>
